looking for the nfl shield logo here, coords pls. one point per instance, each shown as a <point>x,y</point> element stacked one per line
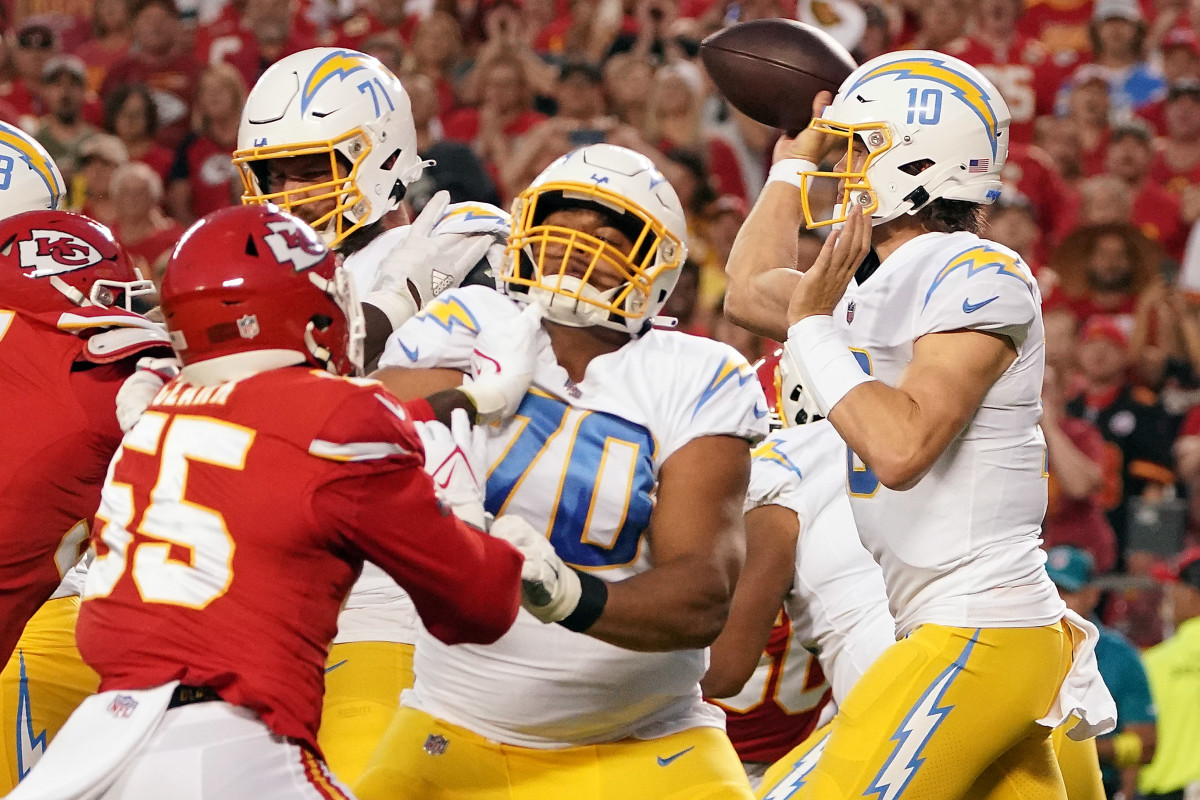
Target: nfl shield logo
<point>248,326</point>
<point>436,744</point>
<point>122,706</point>
<point>850,312</point>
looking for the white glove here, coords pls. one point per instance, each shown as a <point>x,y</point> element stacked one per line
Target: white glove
<point>550,590</point>
<point>502,365</point>
<point>456,459</point>
<point>425,264</point>
<point>139,389</point>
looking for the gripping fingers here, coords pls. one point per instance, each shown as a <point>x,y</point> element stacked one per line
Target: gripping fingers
<point>432,212</point>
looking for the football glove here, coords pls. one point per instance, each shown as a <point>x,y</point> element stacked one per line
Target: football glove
<point>139,389</point>
<point>503,364</point>
<point>550,590</point>
<point>456,460</point>
<point>425,264</point>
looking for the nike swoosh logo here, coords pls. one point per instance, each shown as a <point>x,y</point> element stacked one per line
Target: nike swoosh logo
<point>332,667</point>
<point>968,306</point>
<point>662,762</point>
<point>413,355</point>
<point>759,413</point>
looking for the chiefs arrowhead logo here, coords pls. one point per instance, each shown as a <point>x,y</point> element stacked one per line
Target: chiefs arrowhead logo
<point>54,252</point>
<point>290,245</point>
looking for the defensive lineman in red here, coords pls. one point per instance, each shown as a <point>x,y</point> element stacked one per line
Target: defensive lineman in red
<point>237,514</point>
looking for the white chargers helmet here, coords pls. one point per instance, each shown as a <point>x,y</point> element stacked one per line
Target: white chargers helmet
<point>933,127</point>
<point>626,186</point>
<point>29,178</point>
<point>339,102</point>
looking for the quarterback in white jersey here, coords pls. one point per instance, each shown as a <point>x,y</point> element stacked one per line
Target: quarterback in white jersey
<point>630,458</point>
<point>328,134</point>
<point>927,358</point>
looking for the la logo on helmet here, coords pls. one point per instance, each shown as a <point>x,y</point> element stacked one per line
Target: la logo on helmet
<point>290,245</point>
<point>54,252</point>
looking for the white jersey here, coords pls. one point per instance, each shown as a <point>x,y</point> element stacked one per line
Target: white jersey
<point>837,604</point>
<point>377,609</point>
<point>580,460</point>
<point>961,547</point>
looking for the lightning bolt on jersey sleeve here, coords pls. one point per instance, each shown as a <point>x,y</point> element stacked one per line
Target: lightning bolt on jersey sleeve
<point>982,287</point>
<point>442,334</point>
<point>722,398</point>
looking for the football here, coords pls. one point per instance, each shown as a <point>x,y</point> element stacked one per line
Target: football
<point>771,69</point>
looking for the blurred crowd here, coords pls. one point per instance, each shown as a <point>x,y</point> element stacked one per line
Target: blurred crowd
<point>139,102</point>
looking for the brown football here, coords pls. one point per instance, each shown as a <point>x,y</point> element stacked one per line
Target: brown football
<point>771,69</point>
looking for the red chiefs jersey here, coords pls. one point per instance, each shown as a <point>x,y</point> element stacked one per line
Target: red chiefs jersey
<point>234,521</point>
<point>1026,74</point>
<point>779,706</point>
<point>60,432</point>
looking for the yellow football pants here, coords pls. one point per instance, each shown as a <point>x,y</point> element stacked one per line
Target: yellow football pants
<point>943,714</point>
<point>363,682</point>
<point>1079,764</point>
<point>42,684</point>
<point>422,758</point>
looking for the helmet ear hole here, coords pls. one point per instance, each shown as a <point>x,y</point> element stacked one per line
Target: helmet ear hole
<point>322,321</point>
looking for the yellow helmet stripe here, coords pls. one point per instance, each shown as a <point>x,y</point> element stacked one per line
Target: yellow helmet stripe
<point>339,63</point>
<point>965,89</point>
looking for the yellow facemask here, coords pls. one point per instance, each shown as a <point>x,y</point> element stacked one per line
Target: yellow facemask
<point>344,189</point>
<point>877,138</point>
<point>654,250</point>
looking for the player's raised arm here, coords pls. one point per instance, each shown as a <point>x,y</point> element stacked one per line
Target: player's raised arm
<point>762,267</point>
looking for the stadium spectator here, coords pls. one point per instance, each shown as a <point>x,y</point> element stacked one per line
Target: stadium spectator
<point>1155,211</point>
<point>1076,455</point>
<point>1180,57</point>
<point>504,114</point>
<point>146,233</point>
<point>371,18</point>
<point>1118,42</point>
<point>627,81</point>
<point>1013,223</point>
<point>1020,67</point>
<point>1132,743</point>
<point>267,31</point>
<point>1175,685</point>
<point>111,37</point>
<point>1130,417</point>
<point>63,130</point>
<point>1086,103</point>
<point>1061,26</point>
<point>33,46</point>
<point>387,48</point>
<point>579,93</point>
<point>673,118</point>
<point>1177,163</point>
<point>99,157</point>
<point>943,23</point>
<point>1103,269</point>
<point>203,178</point>
<point>436,51</point>
<point>160,59</point>
<point>131,115</point>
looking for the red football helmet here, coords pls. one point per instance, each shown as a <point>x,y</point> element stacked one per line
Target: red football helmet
<point>46,252</point>
<point>789,402</point>
<point>250,278</point>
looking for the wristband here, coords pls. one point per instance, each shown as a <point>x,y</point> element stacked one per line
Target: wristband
<point>1127,750</point>
<point>828,370</point>
<point>788,171</point>
<point>397,307</point>
<point>487,399</point>
<point>592,597</point>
